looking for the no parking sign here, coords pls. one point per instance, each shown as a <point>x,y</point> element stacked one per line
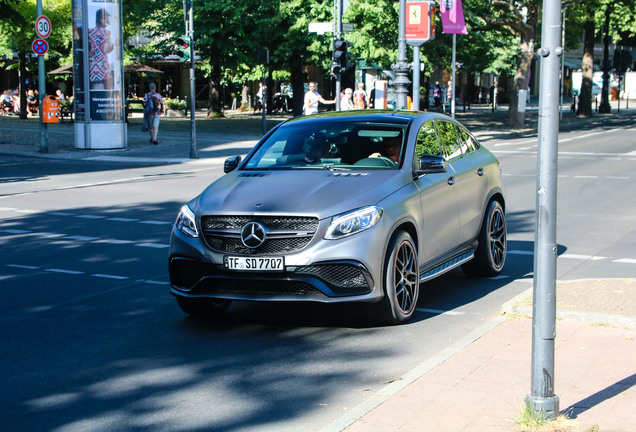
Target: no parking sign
<point>40,46</point>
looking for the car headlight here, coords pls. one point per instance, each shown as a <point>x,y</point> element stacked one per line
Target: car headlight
<point>186,222</point>
<point>354,222</point>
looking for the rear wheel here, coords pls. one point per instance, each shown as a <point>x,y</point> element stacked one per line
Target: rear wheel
<point>490,255</point>
<point>203,307</point>
<point>401,282</point>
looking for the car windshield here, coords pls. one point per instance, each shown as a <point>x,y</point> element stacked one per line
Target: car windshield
<point>331,145</point>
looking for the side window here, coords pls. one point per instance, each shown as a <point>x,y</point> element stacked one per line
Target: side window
<point>467,141</point>
<point>426,142</point>
<point>448,139</point>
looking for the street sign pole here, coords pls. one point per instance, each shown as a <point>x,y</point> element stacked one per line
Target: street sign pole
<point>542,398</point>
<point>193,124</point>
<point>416,78</point>
<point>44,145</point>
<point>401,68</point>
<point>338,33</point>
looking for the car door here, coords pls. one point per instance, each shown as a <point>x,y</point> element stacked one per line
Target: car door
<point>439,221</point>
<point>476,185</point>
<point>460,150</point>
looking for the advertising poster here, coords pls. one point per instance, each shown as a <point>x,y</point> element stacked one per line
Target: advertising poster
<point>79,93</point>
<point>104,60</point>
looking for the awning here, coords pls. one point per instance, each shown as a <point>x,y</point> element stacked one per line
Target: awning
<point>572,62</point>
<point>132,67</point>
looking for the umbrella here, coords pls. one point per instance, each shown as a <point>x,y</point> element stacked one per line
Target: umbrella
<point>132,67</point>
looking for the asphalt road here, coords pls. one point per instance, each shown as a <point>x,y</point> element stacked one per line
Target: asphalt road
<point>91,339</point>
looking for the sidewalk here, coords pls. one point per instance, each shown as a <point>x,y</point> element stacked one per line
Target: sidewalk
<point>217,139</point>
<point>481,386</point>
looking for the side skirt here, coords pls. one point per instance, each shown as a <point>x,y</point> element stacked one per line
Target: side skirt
<point>428,274</point>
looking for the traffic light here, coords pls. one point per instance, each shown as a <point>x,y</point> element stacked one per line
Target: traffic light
<point>184,43</point>
<point>341,56</point>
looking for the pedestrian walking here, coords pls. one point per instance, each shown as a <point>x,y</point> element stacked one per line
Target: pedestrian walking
<point>153,109</point>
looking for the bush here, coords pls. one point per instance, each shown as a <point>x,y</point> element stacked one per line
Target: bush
<point>176,104</point>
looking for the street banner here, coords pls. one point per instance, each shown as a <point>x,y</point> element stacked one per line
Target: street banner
<point>452,17</point>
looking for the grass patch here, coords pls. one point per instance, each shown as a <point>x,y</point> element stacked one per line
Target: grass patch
<point>529,420</point>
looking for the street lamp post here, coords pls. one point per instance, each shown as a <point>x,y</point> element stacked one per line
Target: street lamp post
<point>401,68</point>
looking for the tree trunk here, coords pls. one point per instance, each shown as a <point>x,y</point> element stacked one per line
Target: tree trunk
<point>215,105</point>
<point>298,87</point>
<point>22,86</point>
<point>245,101</point>
<point>516,119</point>
<point>585,97</point>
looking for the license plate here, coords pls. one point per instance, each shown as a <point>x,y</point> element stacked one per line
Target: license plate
<point>255,263</point>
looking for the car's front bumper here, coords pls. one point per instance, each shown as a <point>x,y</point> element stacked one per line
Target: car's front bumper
<point>323,282</point>
<point>326,271</point>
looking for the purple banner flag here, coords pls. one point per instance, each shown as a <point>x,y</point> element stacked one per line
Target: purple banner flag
<point>452,17</point>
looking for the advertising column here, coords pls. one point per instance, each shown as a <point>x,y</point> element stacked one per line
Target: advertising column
<point>98,75</point>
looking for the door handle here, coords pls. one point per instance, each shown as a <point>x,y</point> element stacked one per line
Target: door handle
<point>480,172</point>
<point>451,181</point>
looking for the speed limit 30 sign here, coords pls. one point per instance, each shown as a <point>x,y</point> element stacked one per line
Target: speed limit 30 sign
<point>43,27</point>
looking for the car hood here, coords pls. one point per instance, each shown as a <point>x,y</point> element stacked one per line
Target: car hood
<point>322,193</point>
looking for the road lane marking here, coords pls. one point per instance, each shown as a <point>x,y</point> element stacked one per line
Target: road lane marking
<point>115,241</point>
<point>122,219</point>
<point>15,231</point>
<point>153,245</point>
<point>625,261</point>
<point>582,257</point>
<point>71,272</point>
<point>108,276</point>
<point>25,267</point>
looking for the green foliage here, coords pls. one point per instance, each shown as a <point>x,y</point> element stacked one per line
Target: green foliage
<point>176,104</point>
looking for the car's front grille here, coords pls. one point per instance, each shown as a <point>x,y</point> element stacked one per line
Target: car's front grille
<point>284,234</point>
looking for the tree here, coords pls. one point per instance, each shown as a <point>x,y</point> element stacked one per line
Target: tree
<point>19,15</point>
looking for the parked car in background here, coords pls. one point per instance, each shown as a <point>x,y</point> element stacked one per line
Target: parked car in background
<point>357,206</point>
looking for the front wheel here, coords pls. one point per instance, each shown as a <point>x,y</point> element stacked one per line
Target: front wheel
<point>490,255</point>
<point>203,307</point>
<point>401,282</point>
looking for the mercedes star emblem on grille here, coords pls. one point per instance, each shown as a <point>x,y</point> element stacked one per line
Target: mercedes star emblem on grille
<point>253,235</point>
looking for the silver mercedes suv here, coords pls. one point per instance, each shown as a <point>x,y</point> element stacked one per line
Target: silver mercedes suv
<point>356,206</point>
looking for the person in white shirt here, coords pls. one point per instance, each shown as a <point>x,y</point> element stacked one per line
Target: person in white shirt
<point>312,97</point>
<point>346,102</point>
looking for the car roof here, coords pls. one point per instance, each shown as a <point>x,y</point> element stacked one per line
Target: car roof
<point>398,117</point>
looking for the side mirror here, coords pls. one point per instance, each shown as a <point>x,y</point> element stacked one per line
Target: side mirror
<point>231,164</point>
<point>430,164</point>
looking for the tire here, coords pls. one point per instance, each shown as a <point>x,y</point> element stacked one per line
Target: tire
<point>401,282</point>
<point>203,307</point>
<point>490,255</point>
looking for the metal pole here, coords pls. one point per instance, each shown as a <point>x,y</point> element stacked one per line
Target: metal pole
<point>542,398</point>
<point>193,125</point>
<point>562,62</point>
<point>44,145</point>
<point>264,99</point>
<point>605,108</point>
<point>416,78</point>
<point>401,68</point>
<point>338,33</point>
<point>452,95</point>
